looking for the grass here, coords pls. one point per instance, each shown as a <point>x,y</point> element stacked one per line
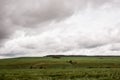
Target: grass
<point>64,68</point>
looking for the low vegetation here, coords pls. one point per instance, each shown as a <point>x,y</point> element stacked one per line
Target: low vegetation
<point>60,68</point>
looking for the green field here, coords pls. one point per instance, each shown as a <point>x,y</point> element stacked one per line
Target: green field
<point>63,68</point>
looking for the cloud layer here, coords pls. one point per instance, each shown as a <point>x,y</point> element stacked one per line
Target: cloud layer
<point>43,27</point>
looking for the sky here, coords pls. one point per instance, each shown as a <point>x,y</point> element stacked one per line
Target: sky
<point>32,28</point>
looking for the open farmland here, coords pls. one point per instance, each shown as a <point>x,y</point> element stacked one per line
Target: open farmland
<point>60,68</point>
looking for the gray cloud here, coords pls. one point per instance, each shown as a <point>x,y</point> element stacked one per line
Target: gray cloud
<point>58,26</point>
<point>31,13</point>
<point>115,47</point>
<point>36,12</point>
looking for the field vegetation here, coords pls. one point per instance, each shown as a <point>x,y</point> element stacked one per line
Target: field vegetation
<point>60,68</point>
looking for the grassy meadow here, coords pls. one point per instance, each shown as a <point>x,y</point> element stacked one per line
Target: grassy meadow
<point>60,68</point>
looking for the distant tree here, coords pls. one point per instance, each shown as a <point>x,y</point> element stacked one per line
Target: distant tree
<point>56,56</point>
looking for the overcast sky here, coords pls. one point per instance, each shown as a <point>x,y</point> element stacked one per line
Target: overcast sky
<point>70,27</point>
